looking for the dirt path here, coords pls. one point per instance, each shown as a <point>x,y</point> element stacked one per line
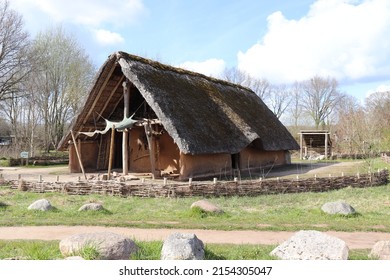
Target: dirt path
<point>354,240</point>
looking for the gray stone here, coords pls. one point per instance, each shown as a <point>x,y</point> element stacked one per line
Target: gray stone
<point>311,245</point>
<point>91,206</point>
<point>42,205</point>
<point>207,206</point>
<point>381,250</point>
<point>338,207</point>
<point>182,246</point>
<point>110,246</point>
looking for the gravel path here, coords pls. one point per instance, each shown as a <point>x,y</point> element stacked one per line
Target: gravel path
<point>354,240</point>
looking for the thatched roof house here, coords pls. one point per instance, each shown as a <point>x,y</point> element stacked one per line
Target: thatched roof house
<point>187,124</point>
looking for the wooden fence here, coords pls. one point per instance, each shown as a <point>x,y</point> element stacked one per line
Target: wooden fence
<point>209,189</point>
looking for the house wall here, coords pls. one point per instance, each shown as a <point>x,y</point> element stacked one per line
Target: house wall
<point>167,154</point>
<point>88,153</point>
<point>252,158</point>
<point>192,166</point>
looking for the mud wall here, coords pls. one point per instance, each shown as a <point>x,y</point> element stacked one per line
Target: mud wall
<point>88,153</point>
<point>253,158</point>
<point>193,166</point>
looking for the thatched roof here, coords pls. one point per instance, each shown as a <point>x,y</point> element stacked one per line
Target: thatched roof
<point>202,114</point>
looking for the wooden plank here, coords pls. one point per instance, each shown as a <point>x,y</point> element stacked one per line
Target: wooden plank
<point>125,136</point>
<point>112,149</point>
<point>78,154</point>
<point>99,94</point>
<point>149,137</point>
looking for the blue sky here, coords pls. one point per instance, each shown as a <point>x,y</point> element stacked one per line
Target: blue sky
<point>280,40</point>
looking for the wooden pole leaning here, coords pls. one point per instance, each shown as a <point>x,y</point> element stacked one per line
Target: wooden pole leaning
<point>112,148</point>
<point>78,154</point>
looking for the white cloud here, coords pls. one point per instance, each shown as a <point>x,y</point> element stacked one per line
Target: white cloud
<point>345,39</point>
<point>105,37</point>
<point>211,67</point>
<point>87,12</point>
<point>380,88</point>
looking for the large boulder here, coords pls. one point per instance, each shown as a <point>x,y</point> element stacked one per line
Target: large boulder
<point>381,250</point>
<point>91,207</point>
<point>312,245</point>
<point>42,205</point>
<point>110,246</point>
<point>182,246</point>
<point>207,206</point>
<point>338,207</point>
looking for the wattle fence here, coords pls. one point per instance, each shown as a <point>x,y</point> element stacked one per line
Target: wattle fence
<point>205,189</point>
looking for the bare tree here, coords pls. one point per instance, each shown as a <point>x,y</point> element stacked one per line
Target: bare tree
<point>295,108</point>
<point>14,50</point>
<point>279,99</point>
<point>352,132</point>
<point>63,75</point>
<point>377,106</point>
<point>260,86</point>
<point>319,98</point>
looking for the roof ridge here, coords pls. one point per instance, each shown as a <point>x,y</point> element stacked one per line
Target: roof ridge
<point>167,67</point>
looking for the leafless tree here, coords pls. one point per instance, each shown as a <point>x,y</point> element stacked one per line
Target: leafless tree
<point>295,108</point>
<point>319,98</point>
<point>14,52</point>
<point>260,86</point>
<point>352,133</point>
<point>63,74</point>
<point>279,99</point>
<point>377,107</point>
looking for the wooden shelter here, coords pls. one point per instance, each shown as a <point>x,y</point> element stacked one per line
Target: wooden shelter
<point>180,123</point>
<point>317,141</point>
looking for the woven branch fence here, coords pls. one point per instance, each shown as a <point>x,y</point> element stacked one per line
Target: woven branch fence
<point>243,188</point>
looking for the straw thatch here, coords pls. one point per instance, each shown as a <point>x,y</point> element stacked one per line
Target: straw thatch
<point>203,115</point>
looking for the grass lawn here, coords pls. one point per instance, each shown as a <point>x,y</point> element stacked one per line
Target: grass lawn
<point>49,250</point>
<point>286,212</point>
<point>282,212</point>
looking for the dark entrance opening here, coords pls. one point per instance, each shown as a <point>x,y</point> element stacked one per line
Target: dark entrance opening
<point>235,161</point>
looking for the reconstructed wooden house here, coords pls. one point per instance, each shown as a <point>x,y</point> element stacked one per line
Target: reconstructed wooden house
<point>172,122</point>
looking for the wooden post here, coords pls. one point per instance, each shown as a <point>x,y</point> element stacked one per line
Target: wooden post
<point>300,146</point>
<point>149,136</point>
<point>326,145</point>
<point>112,148</point>
<point>78,154</point>
<point>125,137</point>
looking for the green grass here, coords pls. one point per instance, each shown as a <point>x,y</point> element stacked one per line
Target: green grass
<point>285,212</point>
<point>49,250</point>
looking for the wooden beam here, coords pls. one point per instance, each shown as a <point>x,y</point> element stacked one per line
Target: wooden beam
<point>125,136</point>
<point>78,154</point>
<point>99,93</point>
<point>326,146</point>
<point>112,149</point>
<point>111,95</point>
<point>149,136</point>
<point>301,146</point>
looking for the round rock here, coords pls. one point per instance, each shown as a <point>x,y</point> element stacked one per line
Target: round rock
<point>338,207</point>
<point>182,246</point>
<point>381,250</point>
<point>91,206</point>
<point>207,206</point>
<point>42,205</point>
<point>110,246</point>
<point>312,245</point>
